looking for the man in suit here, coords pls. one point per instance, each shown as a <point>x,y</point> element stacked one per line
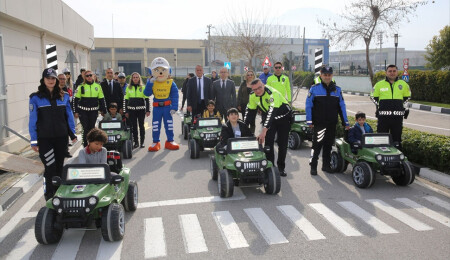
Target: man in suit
<point>112,90</point>
<point>224,92</point>
<point>199,91</point>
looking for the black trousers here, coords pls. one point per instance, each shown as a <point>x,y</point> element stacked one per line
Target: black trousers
<point>199,109</point>
<point>281,127</point>
<point>52,152</point>
<point>323,138</point>
<point>393,125</point>
<point>87,119</point>
<point>137,117</point>
<point>252,124</point>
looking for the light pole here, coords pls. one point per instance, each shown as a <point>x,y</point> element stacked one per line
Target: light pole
<point>396,44</point>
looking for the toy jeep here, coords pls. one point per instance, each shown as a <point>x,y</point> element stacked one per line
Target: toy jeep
<point>300,131</point>
<point>119,137</point>
<point>186,125</point>
<point>205,133</point>
<point>243,161</point>
<point>88,194</point>
<point>375,154</point>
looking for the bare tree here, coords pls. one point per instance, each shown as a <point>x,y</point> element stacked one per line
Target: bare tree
<point>362,17</point>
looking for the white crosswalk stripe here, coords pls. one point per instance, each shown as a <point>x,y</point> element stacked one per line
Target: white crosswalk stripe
<point>109,250</point>
<point>155,241</point>
<point>368,218</point>
<point>403,217</point>
<point>308,230</point>
<point>24,247</point>
<point>426,211</point>
<point>266,227</point>
<point>438,202</point>
<point>230,231</point>
<point>192,234</point>
<point>339,223</point>
<point>69,244</point>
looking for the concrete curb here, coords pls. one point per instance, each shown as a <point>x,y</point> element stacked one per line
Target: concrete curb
<point>435,176</point>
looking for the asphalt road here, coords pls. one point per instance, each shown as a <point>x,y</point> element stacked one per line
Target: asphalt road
<point>180,216</point>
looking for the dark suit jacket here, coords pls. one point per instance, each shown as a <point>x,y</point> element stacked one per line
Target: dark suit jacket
<point>225,97</point>
<point>227,132</point>
<point>192,91</point>
<point>117,95</point>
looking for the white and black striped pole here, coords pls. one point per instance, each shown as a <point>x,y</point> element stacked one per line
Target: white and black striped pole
<point>318,60</point>
<point>52,59</point>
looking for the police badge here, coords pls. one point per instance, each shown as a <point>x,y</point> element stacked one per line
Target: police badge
<point>271,100</point>
<point>96,89</point>
<point>400,87</point>
<point>283,79</point>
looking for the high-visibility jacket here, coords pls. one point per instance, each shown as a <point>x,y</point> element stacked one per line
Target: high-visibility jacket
<point>282,84</point>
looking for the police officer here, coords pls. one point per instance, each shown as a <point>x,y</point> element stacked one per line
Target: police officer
<point>389,96</point>
<point>136,107</point>
<point>88,101</point>
<point>323,104</point>
<point>280,82</point>
<point>276,117</point>
<point>50,120</point>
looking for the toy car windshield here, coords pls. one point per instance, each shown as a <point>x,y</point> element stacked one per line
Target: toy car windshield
<point>86,174</point>
<point>236,145</point>
<point>208,122</point>
<point>111,125</point>
<point>376,140</point>
<point>298,118</point>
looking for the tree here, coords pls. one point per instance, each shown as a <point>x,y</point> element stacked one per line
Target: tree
<point>438,50</point>
<point>363,17</point>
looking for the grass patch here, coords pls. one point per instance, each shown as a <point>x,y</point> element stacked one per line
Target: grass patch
<point>431,103</point>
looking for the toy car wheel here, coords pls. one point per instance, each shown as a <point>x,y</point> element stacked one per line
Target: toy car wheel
<point>294,141</point>
<point>113,222</point>
<point>194,149</point>
<point>225,184</point>
<point>407,177</point>
<point>363,175</point>
<point>337,164</point>
<point>127,149</point>
<point>44,227</point>
<point>130,202</point>
<point>185,131</point>
<point>213,167</point>
<point>272,184</point>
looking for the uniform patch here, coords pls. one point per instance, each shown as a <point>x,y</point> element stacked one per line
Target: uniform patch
<point>271,100</point>
<point>283,79</point>
<point>96,89</point>
<point>31,107</point>
<point>400,87</point>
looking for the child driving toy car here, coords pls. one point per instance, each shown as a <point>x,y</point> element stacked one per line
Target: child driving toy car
<point>357,130</point>
<point>233,128</point>
<point>94,153</point>
<point>112,114</point>
<point>210,110</point>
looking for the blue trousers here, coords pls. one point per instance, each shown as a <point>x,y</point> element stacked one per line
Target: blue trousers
<point>160,114</point>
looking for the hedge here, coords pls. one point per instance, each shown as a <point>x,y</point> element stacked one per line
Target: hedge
<point>432,86</point>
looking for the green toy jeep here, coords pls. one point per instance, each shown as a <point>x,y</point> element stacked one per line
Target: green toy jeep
<point>88,194</point>
<point>375,154</point>
<point>119,137</point>
<point>243,162</point>
<point>205,133</point>
<point>300,131</point>
<point>186,125</point>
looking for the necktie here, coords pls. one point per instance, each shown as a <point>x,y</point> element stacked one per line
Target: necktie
<point>223,83</point>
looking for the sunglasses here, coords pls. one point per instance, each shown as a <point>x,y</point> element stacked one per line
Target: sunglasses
<point>88,75</point>
<point>250,75</point>
<point>66,73</point>
<point>277,67</point>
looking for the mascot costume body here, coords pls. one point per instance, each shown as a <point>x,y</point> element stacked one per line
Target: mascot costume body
<point>165,103</point>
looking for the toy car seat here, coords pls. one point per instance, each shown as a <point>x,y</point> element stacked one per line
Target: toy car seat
<point>114,161</point>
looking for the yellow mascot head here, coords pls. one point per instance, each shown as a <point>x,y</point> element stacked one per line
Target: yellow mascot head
<point>160,69</point>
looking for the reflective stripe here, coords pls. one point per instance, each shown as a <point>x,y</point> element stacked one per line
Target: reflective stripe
<point>48,153</point>
<point>51,162</point>
<point>34,142</point>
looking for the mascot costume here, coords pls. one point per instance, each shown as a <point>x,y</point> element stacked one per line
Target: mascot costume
<point>165,103</point>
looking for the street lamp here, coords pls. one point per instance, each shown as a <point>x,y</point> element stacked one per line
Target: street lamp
<point>396,44</point>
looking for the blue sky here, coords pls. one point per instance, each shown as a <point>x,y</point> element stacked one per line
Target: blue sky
<point>186,19</point>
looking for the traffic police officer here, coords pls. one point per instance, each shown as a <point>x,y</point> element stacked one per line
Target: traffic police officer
<point>323,104</point>
<point>389,96</point>
<point>88,101</point>
<point>280,82</point>
<point>276,117</point>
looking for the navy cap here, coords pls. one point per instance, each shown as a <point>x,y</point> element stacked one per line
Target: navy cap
<point>49,73</point>
<point>326,69</point>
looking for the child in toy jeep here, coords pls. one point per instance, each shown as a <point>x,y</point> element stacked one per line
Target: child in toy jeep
<point>375,154</point>
<point>119,137</point>
<point>186,125</point>
<point>243,159</point>
<point>205,133</point>
<point>299,131</point>
<point>88,194</point>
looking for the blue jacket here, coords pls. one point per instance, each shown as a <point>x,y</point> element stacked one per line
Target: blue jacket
<point>173,96</point>
<point>263,77</point>
<point>50,119</point>
<point>355,133</point>
<point>323,105</point>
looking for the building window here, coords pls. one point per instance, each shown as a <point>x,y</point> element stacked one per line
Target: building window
<point>189,50</point>
<point>160,50</point>
<point>129,50</point>
<point>102,50</point>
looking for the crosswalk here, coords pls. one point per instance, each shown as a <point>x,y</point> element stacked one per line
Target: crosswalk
<point>155,242</point>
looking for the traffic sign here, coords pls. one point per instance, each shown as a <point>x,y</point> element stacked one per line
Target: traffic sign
<point>246,68</point>
<point>294,67</point>
<point>405,78</point>
<point>266,62</point>
<point>227,65</point>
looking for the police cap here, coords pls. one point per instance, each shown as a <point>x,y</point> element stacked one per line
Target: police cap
<point>326,69</point>
<point>49,73</point>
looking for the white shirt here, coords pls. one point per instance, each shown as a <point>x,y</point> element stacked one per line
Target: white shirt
<point>202,94</point>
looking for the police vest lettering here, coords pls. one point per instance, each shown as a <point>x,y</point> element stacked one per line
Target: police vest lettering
<point>161,90</point>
